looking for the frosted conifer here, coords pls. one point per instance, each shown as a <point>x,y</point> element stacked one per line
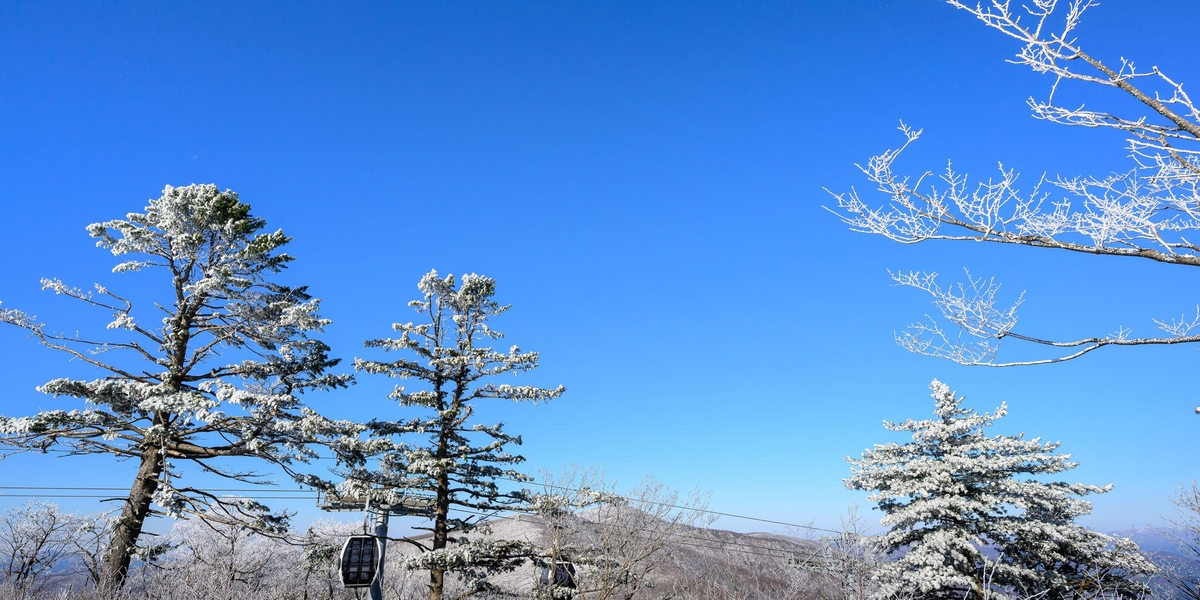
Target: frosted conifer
<point>965,524</point>
<point>458,461</point>
<point>217,377</point>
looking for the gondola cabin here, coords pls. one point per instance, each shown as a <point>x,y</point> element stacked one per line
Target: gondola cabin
<point>561,575</point>
<point>359,563</point>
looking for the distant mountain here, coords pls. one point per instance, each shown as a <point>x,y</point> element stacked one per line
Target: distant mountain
<point>1149,539</point>
<point>694,563</point>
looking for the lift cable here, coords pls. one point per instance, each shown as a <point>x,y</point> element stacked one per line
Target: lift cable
<point>749,548</point>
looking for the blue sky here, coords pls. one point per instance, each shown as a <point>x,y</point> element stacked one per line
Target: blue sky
<point>644,180</point>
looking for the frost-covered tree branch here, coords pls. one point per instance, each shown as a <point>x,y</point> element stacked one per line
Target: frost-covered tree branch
<point>34,538</point>
<point>981,322</point>
<point>1150,211</point>
<point>618,542</point>
<point>1182,573</point>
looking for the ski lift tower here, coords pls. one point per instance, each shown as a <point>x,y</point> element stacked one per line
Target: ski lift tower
<point>361,562</point>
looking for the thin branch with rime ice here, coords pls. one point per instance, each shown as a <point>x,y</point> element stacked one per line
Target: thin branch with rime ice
<point>1150,211</point>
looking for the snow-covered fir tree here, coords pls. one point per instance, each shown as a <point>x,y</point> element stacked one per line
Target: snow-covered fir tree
<point>443,453</point>
<point>971,515</point>
<point>208,370</point>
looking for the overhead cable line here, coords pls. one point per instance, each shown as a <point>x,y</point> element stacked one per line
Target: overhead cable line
<point>770,552</point>
<point>118,489</point>
<point>702,510</point>
<point>740,547</point>
<point>2,496</point>
<point>544,485</point>
<point>710,512</point>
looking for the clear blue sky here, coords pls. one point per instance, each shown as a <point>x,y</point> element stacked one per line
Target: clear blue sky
<point>645,182</point>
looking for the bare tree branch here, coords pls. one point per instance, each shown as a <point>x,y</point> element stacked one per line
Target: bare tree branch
<point>1151,211</point>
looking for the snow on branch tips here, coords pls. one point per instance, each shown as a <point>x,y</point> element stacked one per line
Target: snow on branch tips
<point>1150,210</point>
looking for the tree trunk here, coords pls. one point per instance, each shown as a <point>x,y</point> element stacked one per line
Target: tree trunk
<point>437,573</point>
<point>437,583</point>
<point>128,528</point>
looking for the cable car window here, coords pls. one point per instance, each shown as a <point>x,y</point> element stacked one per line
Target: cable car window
<point>360,561</point>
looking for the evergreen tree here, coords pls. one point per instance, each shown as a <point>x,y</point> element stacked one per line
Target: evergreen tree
<point>459,461</point>
<point>176,392</point>
<point>952,496</point>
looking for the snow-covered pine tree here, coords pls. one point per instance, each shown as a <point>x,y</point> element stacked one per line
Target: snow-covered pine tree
<point>459,461</point>
<point>177,392</point>
<point>952,497</point>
